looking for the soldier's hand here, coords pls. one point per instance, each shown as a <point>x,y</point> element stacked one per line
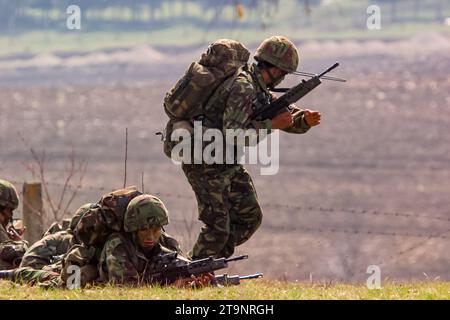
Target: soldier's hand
<point>15,235</point>
<point>282,120</point>
<point>312,118</point>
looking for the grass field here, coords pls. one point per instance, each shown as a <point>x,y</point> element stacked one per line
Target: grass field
<point>254,290</point>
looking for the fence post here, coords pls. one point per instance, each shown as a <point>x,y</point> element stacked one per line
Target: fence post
<point>33,211</point>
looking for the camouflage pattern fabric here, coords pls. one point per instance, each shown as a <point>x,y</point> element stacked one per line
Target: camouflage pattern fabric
<point>57,275</point>
<point>8,195</point>
<point>100,221</point>
<point>56,227</point>
<point>96,225</point>
<point>222,59</point>
<point>84,257</point>
<point>49,279</point>
<point>48,250</point>
<point>42,278</point>
<point>234,107</point>
<point>227,200</point>
<point>11,252</point>
<point>104,218</point>
<point>145,211</point>
<point>280,52</point>
<point>59,252</point>
<point>121,261</point>
<point>227,205</point>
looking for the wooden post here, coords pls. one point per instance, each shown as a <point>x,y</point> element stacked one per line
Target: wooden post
<point>33,211</point>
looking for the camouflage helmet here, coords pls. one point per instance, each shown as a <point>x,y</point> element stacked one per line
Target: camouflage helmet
<point>78,215</point>
<point>280,52</point>
<point>143,212</point>
<point>8,195</point>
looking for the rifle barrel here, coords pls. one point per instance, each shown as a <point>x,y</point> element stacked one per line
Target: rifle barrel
<point>242,257</point>
<point>251,276</point>
<point>309,74</point>
<point>334,66</point>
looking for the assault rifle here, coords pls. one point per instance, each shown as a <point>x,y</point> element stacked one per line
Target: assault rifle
<point>167,268</point>
<point>269,109</point>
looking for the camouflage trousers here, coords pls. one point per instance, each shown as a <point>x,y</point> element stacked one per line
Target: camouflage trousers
<point>42,278</point>
<point>49,278</point>
<point>227,205</point>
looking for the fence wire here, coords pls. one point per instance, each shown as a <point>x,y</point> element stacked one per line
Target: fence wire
<point>306,210</point>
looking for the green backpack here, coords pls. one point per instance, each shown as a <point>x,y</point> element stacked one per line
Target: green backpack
<point>198,89</point>
<point>105,217</point>
<point>190,94</point>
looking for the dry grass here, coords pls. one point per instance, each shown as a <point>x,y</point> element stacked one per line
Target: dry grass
<point>251,290</point>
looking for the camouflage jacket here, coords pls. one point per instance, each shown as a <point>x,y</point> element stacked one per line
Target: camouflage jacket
<point>11,251</point>
<point>49,250</point>
<point>121,261</point>
<point>233,106</point>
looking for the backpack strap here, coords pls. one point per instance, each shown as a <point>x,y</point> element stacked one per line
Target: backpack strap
<point>131,250</point>
<point>223,88</point>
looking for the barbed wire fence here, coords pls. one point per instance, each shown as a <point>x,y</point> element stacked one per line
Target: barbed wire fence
<point>305,209</point>
<point>188,224</point>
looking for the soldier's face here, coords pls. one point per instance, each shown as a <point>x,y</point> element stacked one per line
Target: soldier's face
<point>277,76</point>
<point>149,237</point>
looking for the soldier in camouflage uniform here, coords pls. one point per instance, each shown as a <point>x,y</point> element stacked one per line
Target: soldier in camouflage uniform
<point>12,247</point>
<point>47,253</point>
<point>126,256</point>
<point>227,200</point>
<point>87,256</point>
<point>57,227</point>
<point>43,262</point>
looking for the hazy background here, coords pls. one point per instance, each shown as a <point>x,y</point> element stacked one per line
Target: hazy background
<point>369,186</point>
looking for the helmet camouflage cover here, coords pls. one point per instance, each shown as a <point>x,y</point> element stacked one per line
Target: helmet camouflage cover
<point>145,211</point>
<point>280,52</point>
<point>8,195</point>
<point>78,215</point>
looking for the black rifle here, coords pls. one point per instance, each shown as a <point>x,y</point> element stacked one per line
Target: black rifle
<point>269,109</point>
<point>167,268</point>
<point>226,280</point>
